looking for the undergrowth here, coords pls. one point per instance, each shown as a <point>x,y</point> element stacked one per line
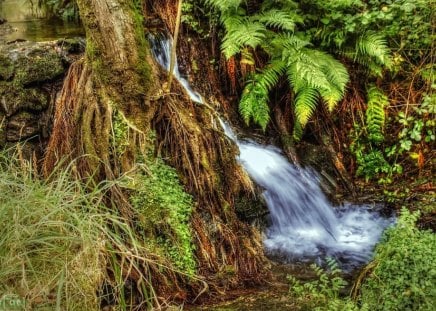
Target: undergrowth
<point>165,210</point>
<point>63,247</point>
<point>405,269</point>
<point>400,277</point>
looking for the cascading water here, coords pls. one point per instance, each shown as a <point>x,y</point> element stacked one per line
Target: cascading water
<point>303,225</point>
<point>161,49</point>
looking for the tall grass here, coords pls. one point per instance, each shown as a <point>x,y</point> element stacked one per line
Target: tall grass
<point>59,243</point>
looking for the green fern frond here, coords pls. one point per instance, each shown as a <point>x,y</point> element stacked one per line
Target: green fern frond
<point>254,105</point>
<point>254,101</point>
<point>224,5</point>
<point>305,104</point>
<point>241,32</point>
<point>375,46</point>
<point>375,113</point>
<point>274,18</point>
<point>298,131</point>
<point>288,43</point>
<point>270,75</point>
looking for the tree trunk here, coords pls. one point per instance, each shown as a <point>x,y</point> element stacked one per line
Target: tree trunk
<point>118,78</point>
<point>114,75</point>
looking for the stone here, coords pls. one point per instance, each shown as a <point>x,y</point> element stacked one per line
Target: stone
<point>14,98</point>
<point>37,67</point>
<point>21,126</point>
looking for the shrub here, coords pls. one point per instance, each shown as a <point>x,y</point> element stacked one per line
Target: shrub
<point>404,276</point>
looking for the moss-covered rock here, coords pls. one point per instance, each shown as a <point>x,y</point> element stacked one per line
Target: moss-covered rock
<point>37,67</point>
<point>15,98</point>
<point>21,126</point>
<point>30,76</point>
<point>6,68</point>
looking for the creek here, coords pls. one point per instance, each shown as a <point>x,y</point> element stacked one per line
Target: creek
<point>304,226</point>
<point>27,22</point>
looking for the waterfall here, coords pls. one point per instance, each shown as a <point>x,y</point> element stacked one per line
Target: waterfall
<point>161,49</point>
<point>303,223</point>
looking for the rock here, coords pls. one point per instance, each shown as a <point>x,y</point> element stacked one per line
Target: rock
<point>21,126</point>
<point>30,76</point>
<point>2,20</point>
<point>14,98</point>
<point>38,66</point>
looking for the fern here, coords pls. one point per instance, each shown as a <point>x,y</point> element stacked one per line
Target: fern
<point>241,32</point>
<point>372,52</point>
<point>224,5</point>
<point>278,19</point>
<point>254,101</point>
<point>305,104</point>
<point>312,73</point>
<point>375,114</point>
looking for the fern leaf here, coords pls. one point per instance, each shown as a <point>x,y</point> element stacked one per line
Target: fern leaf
<point>298,131</point>
<point>224,5</point>
<point>375,114</point>
<point>305,104</point>
<point>241,32</point>
<point>254,101</point>
<point>278,19</point>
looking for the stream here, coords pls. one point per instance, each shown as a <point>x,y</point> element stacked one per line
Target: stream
<point>303,225</point>
<point>28,23</point>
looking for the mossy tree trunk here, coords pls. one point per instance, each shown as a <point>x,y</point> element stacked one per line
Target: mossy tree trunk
<point>117,79</point>
<point>116,75</point>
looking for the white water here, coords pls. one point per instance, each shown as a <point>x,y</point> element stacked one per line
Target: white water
<point>161,49</point>
<point>303,223</point>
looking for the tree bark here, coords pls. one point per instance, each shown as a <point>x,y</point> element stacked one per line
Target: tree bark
<point>118,74</point>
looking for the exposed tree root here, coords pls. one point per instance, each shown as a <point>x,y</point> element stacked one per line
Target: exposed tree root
<point>228,250</point>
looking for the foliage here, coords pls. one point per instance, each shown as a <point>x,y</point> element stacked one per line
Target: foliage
<point>56,243</point>
<point>296,43</point>
<point>405,271</point>
<point>324,292</point>
<point>378,160</point>
<point>164,210</point>
<point>375,114</point>
<point>402,277</point>
<point>418,126</point>
<point>63,248</point>
<point>66,9</point>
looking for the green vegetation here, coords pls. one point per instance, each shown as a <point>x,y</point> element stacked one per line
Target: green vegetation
<point>297,46</point>
<point>324,292</point>
<point>164,211</point>
<point>65,9</point>
<point>60,242</point>
<point>401,276</point>
<point>405,269</point>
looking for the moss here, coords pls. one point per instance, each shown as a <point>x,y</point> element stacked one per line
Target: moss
<point>120,138</point>
<point>164,211</point>
<point>38,67</point>
<point>143,67</point>
<point>6,68</point>
<point>16,98</point>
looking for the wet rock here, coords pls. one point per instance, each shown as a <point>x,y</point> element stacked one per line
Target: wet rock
<point>21,126</point>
